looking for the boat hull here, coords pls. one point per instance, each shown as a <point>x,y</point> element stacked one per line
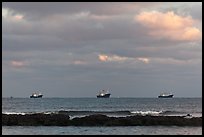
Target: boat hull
<point>40,96</point>
<point>169,96</point>
<point>104,96</point>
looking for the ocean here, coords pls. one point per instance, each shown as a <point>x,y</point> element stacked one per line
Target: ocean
<point>113,107</point>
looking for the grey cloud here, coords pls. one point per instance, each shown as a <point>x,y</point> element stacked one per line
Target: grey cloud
<point>100,8</point>
<point>61,42</point>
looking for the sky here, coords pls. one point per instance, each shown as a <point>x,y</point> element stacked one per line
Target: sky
<point>132,49</point>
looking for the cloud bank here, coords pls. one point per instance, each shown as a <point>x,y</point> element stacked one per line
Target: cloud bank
<point>77,49</point>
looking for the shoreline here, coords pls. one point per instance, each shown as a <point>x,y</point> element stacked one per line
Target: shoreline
<point>41,119</point>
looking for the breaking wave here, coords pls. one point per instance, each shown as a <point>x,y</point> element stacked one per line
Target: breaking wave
<point>147,112</point>
<point>108,113</point>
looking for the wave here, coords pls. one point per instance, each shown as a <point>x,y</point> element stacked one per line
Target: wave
<point>95,112</point>
<point>74,113</point>
<point>108,113</point>
<point>147,112</point>
<point>11,113</point>
<point>155,113</point>
<point>167,113</point>
<point>127,112</point>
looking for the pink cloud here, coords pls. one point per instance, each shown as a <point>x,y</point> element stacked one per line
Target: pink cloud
<point>116,58</point>
<point>103,57</point>
<point>17,64</point>
<point>169,25</point>
<point>18,17</point>
<point>79,62</point>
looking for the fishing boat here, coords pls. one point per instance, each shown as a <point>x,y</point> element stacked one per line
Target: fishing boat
<point>103,94</point>
<point>166,95</point>
<point>36,95</point>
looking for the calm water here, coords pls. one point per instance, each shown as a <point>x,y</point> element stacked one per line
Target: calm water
<point>77,107</point>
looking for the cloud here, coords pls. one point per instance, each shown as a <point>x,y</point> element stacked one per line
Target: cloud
<point>18,17</point>
<point>18,64</point>
<point>103,57</point>
<point>40,10</point>
<point>80,62</point>
<point>169,26</point>
<point>116,58</point>
<point>58,46</point>
<point>112,58</point>
<point>5,12</point>
<point>10,16</point>
<point>136,61</point>
<point>145,60</point>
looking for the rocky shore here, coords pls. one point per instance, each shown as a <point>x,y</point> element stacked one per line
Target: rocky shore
<point>41,119</point>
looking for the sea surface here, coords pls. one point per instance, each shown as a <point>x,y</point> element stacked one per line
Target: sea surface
<point>114,107</point>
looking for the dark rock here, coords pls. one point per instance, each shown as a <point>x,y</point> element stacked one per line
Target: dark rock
<point>35,119</point>
<point>91,120</point>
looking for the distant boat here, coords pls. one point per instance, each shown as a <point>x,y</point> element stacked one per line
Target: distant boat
<point>165,95</point>
<point>36,95</point>
<point>103,94</point>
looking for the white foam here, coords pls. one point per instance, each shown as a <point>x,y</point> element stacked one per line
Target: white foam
<point>147,112</point>
<point>10,113</point>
